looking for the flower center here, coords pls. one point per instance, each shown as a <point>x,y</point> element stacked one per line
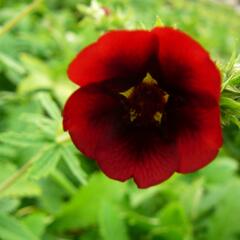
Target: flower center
<point>145,102</point>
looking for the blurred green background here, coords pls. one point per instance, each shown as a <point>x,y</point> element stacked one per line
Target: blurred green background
<point>48,190</point>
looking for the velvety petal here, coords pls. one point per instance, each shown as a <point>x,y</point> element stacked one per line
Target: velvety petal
<point>198,148</point>
<point>198,135</point>
<point>93,118</point>
<point>157,164</point>
<point>184,66</point>
<point>193,82</point>
<point>151,160</point>
<point>118,58</point>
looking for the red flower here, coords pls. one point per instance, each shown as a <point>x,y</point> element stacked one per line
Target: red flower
<point>148,105</point>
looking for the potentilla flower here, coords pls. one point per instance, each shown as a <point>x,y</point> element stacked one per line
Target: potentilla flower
<point>148,105</point>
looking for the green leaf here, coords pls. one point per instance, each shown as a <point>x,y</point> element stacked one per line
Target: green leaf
<point>230,110</point>
<point>230,104</point>
<point>8,205</point>
<point>7,151</point>
<point>44,124</point>
<point>36,223</point>
<point>225,220</point>
<point>51,197</point>
<point>174,223</point>
<point>18,139</point>
<point>36,67</point>
<point>212,198</point>
<point>43,166</point>
<point>191,198</point>
<point>84,206</point>
<point>12,229</point>
<point>63,181</point>
<point>111,224</point>
<point>74,164</point>
<point>11,63</point>
<point>50,106</point>
<point>228,69</point>
<point>23,187</point>
<point>225,167</point>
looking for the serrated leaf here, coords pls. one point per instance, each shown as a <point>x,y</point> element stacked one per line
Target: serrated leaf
<point>230,111</point>
<point>46,125</point>
<point>12,229</point>
<point>43,166</point>
<point>22,187</point>
<point>19,139</point>
<point>50,106</point>
<point>230,104</point>
<point>229,66</point>
<point>236,80</point>
<point>111,224</point>
<point>74,164</point>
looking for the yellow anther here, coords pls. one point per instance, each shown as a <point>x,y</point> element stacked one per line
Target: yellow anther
<point>133,114</point>
<point>166,97</point>
<point>149,79</point>
<point>157,117</point>
<point>128,92</point>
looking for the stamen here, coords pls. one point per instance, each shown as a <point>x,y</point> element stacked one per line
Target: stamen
<point>149,79</point>
<point>157,117</point>
<point>145,102</point>
<point>128,92</point>
<point>166,97</point>
<point>133,114</point>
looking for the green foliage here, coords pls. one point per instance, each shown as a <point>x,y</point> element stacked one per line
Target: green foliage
<point>98,191</point>
<point>12,229</point>
<point>48,190</point>
<point>110,223</point>
<point>230,99</point>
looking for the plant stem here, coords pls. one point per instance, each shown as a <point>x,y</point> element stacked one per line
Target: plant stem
<point>18,174</point>
<point>13,22</point>
<point>61,139</point>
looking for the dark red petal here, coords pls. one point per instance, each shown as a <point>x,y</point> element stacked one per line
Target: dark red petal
<point>188,74</point>
<point>150,159</point>
<point>156,165</point>
<point>184,65</point>
<point>118,57</point>
<point>93,119</point>
<point>198,148</point>
<point>199,137</point>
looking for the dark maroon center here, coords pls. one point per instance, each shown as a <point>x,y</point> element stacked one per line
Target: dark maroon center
<point>145,103</point>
